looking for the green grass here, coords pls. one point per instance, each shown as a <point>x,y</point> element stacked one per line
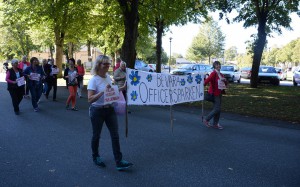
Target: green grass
<point>276,102</point>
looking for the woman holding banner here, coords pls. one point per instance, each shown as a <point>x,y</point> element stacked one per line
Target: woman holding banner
<point>100,113</point>
<point>16,91</point>
<point>217,86</point>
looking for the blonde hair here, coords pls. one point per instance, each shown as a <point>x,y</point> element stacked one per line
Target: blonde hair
<point>99,60</point>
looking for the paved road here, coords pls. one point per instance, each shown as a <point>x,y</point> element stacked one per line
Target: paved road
<point>52,148</point>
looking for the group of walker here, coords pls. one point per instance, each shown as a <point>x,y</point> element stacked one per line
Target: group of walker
<point>99,112</point>
<point>24,77</point>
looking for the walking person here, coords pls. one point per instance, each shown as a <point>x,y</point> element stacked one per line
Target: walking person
<point>47,81</point>
<point>16,92</point>
<point>217,86</point>
<point>80,76</point>
<point>100,113</point>
<point>53,77</point>
<point>35,75</point>
<point>71,75</point>
<point>23,65</point>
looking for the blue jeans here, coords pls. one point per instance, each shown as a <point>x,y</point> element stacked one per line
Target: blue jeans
<point>216,111</point>
<point>36,92</point>
<point>98,116</point>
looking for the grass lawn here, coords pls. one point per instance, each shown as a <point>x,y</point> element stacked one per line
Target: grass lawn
<point>276,102</point>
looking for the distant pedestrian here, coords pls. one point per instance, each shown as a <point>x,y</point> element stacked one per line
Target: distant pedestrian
<point>53,82</point>
<point>47,80</point>
<point>80,77</point>
<point>35,75</point>
<point>71,75</point>
<point>118,63</point>
<point>217,83</point>
<point>23,65</point>
<point>100,113</point>
<point>16,91</point>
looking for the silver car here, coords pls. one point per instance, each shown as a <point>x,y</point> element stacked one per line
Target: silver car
<point>188,69</point>
<point>231,73</point>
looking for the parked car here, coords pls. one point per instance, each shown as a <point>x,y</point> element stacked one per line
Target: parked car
<point>268,74</point>
<point>246,72</point>
<point>281,74</point>
<point>141,65</point>
<point>296,77</point>
<point>188,69</point>
<point>231,73</point>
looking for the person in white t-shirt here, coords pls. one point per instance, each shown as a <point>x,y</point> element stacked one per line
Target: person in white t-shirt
<point>100,113</point>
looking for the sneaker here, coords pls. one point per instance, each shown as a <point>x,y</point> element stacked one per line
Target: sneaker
<point>17,112</point>
<point>67,107</point>
<point>98,161</point>
<point>218,126</point>
<point>206,123</point>
<point>36,109</point>
<point>74,109</point>
<point>123,165</point>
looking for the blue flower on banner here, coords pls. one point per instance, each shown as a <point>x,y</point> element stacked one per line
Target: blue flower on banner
<point>198,79</point>
<point>182,82</point>
<point>135,78</point>
<point>190,79</point>
<point>133,95</point>
<point>149,78</point>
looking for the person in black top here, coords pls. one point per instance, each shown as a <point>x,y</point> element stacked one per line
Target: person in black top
<point>16,91</point>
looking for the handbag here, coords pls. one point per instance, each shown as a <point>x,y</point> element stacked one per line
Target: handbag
<point>120,105</point>
<point>209,97</point>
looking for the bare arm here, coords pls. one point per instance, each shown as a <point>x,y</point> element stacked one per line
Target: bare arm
<point>92,96</point>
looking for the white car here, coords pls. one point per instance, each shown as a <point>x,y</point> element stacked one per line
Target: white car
<point>296,76</point>
<point>231,73</point>
<point>141,65</point>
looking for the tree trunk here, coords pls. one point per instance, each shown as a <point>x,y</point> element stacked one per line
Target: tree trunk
<point>89,48</point>
<point>258,50</point>
<point>59,41</point>
<point>70,49</point>
<point>131,21</point>
<point>159,31</point>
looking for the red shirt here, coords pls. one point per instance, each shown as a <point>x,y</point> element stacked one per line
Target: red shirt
<point>213,83</point>
<point>117,66</point>
<point>21,65</point>
<point>80,70</point>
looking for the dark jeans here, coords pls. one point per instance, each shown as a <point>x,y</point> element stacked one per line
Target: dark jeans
<point>98,116</point>
<point>51,84</point>
<point>36,92</point>
<point>216,111</point>
<point>16,97</point>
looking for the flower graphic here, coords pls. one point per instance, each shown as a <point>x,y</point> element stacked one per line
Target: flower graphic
<point>135,78</point>
<point>190,79</point>
<point>198,79</point>
<point>133,95</point>
<point>182,82</point>
<point>149,78</point>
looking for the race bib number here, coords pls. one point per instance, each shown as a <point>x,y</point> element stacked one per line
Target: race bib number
<point>20,81</point>
<point>35,76</point>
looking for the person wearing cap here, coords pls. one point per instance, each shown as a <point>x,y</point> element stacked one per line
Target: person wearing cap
<point>16,91</point>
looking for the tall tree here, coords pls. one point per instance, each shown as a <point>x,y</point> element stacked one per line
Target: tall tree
<point>131,20</point>
<point>231,53</point>
<point>161,14</point>
<point>267,16</point>
<point>209,42</point>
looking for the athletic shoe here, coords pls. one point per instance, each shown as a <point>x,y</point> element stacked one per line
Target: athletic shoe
<point>98,161</point>
<point>67,107</point>
<point>206,123</point>
<point>36,109</point>
<point>123,165</point>
<point>218,126</point>
<point>74,109</point>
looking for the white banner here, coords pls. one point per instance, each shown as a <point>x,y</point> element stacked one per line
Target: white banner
<point>144,88</point>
